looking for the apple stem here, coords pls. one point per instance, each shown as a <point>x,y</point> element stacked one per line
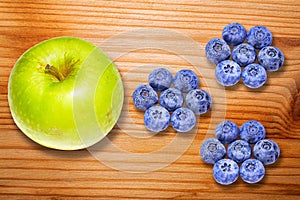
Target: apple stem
<point>54,72</point>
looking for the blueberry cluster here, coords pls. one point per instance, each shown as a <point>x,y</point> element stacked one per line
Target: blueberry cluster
<point>228,72</point>
<point>171,99</point>
<point>239,152</point>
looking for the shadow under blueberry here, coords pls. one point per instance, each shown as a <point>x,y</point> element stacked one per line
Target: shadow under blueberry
<point>260,89</point>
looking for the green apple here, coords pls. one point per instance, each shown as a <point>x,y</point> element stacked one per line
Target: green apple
<point>65,93</point>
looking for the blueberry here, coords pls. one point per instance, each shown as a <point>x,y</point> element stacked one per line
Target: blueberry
<point>217,50</point>
<point>234,34</point>
<point>212,150</point>
<point>160,79</point>
<point>199,101</point>
<point>185,80</point>
<point>239,151</point>
<point>259,37</point>
<point>244,54</point>
<point>144,97</point>
<point>226,132</point>
<point>252,171</point>
<point>267,151</point>
<point>228,73</point>
<point>183,119</point>
<point>252,131</point>
<point>271,58</point>
<point>156,118</point>
<point>254,75</point>
<point>226,171</point>
<point>171,99</point>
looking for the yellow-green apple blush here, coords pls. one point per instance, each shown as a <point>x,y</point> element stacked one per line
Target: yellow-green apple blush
<point>65,93</point>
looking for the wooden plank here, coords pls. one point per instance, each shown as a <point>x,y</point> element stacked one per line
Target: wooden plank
<point>30,171</point>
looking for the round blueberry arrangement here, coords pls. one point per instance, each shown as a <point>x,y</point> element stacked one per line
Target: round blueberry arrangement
<point>199,101</point>
<point>225,171</point>
<point>254,75</point>
<point>244,54</point>
<point>217,50</point>
<point>228,73</point>
<point>144,97</point>
<point>156,118</point>
<point>183,120</point>
<point>171,99</point>
<point>259,37</point>
<point>212,150</point>
<point>271,58</point>
<point>252,171</point>
<point>185,80</point>
<point>267,151</point>
<point>252,131</point>
<point>234,34</point>
<point>239,151</point>
<point>160,79</point>
<point>226,132</point>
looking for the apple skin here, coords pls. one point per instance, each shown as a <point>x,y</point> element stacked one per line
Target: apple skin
<point>68,114</point>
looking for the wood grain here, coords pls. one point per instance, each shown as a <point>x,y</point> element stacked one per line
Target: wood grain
<point>29,171</point>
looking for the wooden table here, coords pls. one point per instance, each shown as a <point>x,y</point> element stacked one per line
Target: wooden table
<point>140,36</point>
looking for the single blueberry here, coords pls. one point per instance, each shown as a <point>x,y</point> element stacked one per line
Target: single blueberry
<point>244,54</point>
<point>252,171</point>
<point>254,75</point>
<point>228,73</point>
<point>267,151</point>
<point>183,119</point>
<point>234,34</point>
<point>144,97</point>
<point>227,131</point>
<point>160,79</point>
<point>171,99</point>
<point>217,50</point>
<point>259,37</point>
<point>226,171</point>
<point>239,151</point>
<point>199,101</point>
<point>271,58</point>
<point>156,118</point>
<point>212,150</point>
<point>252,131</point>
<point>185,80</point>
